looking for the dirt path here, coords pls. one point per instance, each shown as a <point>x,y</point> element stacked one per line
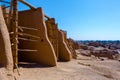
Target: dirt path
<point>82,69</point>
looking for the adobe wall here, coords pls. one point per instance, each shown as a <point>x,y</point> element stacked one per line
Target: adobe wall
<point>3,60</point>
<point>52,31</point>
<point>71,46</point>
<point>6,59</point>
<point>5,45</point>
<point>45,53</point>
<point>64,52</point>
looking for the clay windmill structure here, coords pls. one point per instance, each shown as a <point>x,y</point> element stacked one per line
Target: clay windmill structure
<point>31,36</point>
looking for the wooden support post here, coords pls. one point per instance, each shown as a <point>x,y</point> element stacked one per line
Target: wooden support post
<point>10,15</point>
<point>15,35</point>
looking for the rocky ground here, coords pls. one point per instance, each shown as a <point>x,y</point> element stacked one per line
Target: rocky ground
<point>84,68</point>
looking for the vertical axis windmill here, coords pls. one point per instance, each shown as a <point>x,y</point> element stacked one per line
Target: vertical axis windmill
<point>12,23</point>
<point>14,27</point>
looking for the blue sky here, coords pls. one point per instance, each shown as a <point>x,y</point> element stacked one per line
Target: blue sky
<point>84,19</point>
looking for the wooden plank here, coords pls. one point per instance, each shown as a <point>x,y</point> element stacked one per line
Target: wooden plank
<point>27,39</point>
<point>25,34</point>
<point>27,50</point>
<point>28,28</point>
<point>20,28</point>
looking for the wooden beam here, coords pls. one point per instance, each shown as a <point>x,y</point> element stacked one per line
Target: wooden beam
<point>14,24</point>
<point>30,35</point>
<point>46,16</point>
<point>28,28</point>
<point>27,50</point>
<point>25,39</point>
<point>5,1</point>
<point>30,6</point>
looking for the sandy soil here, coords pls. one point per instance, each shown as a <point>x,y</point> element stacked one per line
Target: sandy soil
<point>84,68</point>
<point>3,74</point>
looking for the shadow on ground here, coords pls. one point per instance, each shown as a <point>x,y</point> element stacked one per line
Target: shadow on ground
<point>32,65</point>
